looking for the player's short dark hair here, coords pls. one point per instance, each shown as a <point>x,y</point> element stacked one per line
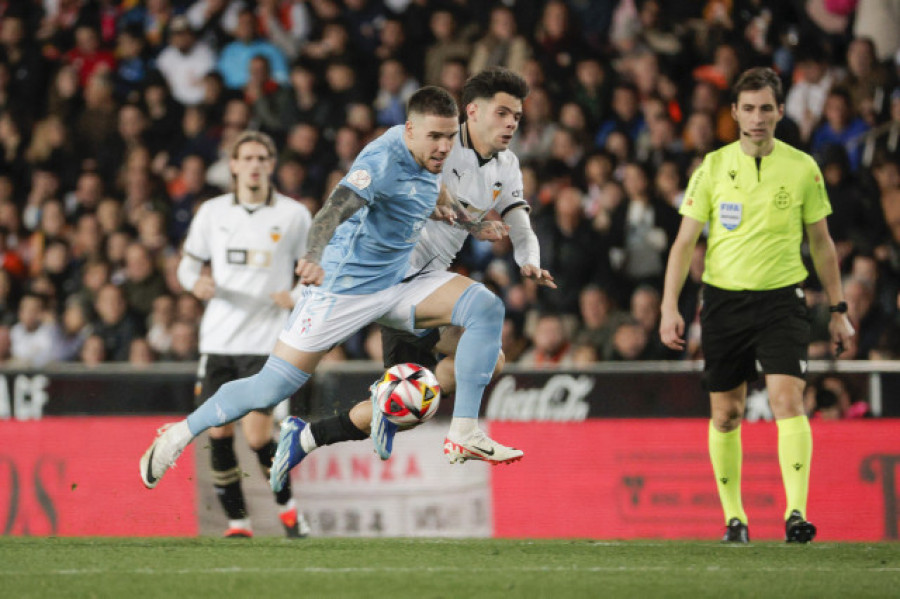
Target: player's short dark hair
<point>432,100</point>
<point>492,81</point>
<point>253,136</point>
<point>756,79</point>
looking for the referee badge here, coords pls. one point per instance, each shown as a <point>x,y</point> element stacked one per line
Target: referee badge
<point>730,214</point>
<point>782,199</point>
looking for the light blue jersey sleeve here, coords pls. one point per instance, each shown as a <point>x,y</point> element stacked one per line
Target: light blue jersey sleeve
<point>371,173</point>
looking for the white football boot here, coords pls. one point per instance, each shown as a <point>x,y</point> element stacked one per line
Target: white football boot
<point>163,452</point>
<point>478,446</point>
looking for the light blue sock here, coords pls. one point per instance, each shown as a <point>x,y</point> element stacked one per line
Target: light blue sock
<point>277,379</point>
<point>481,313</point>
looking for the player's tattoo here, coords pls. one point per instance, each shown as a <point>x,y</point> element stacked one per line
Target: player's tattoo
<point>340,205</point>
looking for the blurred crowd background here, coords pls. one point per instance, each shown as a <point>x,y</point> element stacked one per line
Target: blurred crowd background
<point>116,118</point>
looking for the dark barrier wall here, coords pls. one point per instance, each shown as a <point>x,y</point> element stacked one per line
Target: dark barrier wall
<point>632,390</point>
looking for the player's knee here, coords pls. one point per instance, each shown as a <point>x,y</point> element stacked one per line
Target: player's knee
<point>478,306</point>
<point>726,420</point>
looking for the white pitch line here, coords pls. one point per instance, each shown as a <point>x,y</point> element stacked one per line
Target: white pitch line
<point>432,570</point>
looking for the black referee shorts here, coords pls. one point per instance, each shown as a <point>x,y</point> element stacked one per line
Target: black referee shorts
<point>400,347</point>
<point>214,370</point>
<point>746,331</point>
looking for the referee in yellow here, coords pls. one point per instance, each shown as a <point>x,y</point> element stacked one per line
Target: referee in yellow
<point>758,196</point>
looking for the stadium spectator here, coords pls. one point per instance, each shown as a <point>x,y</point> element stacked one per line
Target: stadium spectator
<point>501,45</point>
<point>571,250</point>
<point>234,59</point>
<point>536,135</point>
<point>184,62</point>
<point>159,323</point>
<point>132,65</point>
<point>447,44</point>
<point>805,102</point>
<point>551,346</point>
<point>113,324</point>
<point>73,332</point>
<point>139,353</point>
<point>142,282</point>
<point>88,57</point>
<point>841,126</point>
<point>641,230</point>
<point>286,23</point>
<point>395,87</point>
<point>34,334</point>
<point>93,352</point>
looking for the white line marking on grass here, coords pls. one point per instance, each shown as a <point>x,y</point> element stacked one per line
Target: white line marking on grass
<point>432,570</point>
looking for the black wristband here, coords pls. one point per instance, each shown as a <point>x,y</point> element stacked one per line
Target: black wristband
<point>840,308</point>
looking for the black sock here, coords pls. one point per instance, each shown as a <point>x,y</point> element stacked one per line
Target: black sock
<point>336,429</point>
<point>265,454</point>
<point>227,477</point>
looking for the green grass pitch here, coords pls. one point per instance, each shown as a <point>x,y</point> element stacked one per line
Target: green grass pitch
<point>424,568</point>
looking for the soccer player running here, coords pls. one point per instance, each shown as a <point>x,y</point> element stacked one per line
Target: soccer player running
<point>482,175</point>
<point>252,239</point>
<point>355,271</point>
<point>758,196</point>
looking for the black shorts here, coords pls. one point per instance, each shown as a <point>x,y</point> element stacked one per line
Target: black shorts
<point>214,370</point>
<point>400,347</point>
<point>746,331</point>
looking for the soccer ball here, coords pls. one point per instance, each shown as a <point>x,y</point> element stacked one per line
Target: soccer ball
<point>408,394</point>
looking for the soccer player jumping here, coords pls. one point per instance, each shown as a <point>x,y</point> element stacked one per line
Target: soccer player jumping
<point>355,271</point>
<point>758,196</point>
<point>482,175</point>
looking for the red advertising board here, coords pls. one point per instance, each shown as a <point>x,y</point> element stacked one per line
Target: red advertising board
<point>73,476</point>
<point>623,479</point>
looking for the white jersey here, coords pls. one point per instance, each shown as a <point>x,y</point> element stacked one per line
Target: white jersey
<point>252,253</point>
<point>480,186</point>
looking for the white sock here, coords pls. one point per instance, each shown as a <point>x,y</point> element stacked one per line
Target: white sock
<point>307,441</point>
<point>243,523</point>
<point>290,506</point>
<point>460,428</point>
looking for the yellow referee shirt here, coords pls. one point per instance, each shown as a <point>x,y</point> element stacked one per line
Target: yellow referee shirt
<point>756,210</point>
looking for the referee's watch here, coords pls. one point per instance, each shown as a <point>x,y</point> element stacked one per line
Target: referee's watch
<point>840,308</point>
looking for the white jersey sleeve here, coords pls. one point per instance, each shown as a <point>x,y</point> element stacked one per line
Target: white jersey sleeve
<point>196,244</point>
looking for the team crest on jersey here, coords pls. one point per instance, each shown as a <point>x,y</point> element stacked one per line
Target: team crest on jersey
<point>782,199</point>
<point>359,179</point>
<point>730,214</point>
<point>498,187</point>
<point>275,234</point>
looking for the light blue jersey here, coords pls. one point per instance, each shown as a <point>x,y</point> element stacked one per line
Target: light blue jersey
<point>370,251</point>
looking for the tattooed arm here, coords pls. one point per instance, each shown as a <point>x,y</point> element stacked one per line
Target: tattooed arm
<point>450,210</point>
<point>340,205</point>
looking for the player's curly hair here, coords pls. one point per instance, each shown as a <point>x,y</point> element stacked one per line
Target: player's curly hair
<point>493,81</point>
<point>756,79</point>
<point>432,100</point>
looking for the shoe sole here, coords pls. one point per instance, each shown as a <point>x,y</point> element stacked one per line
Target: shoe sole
<point>455,456</point>
<point>145,466</point>
<point>803,532</point>
<point>282,457</point>
<point>383,451</point>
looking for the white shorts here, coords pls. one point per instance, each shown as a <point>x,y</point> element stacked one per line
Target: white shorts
<point>320,320</point>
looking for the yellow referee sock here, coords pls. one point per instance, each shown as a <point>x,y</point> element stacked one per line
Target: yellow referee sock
<point>795,456</point>
<point>726,456</point>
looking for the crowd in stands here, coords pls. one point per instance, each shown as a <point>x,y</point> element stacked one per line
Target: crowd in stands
<point>116,117</point>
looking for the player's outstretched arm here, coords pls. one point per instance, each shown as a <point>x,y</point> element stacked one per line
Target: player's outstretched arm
<point>824,257</point>
<point>340,205</point>
<point>526,249</point>
<point>671,325</point>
